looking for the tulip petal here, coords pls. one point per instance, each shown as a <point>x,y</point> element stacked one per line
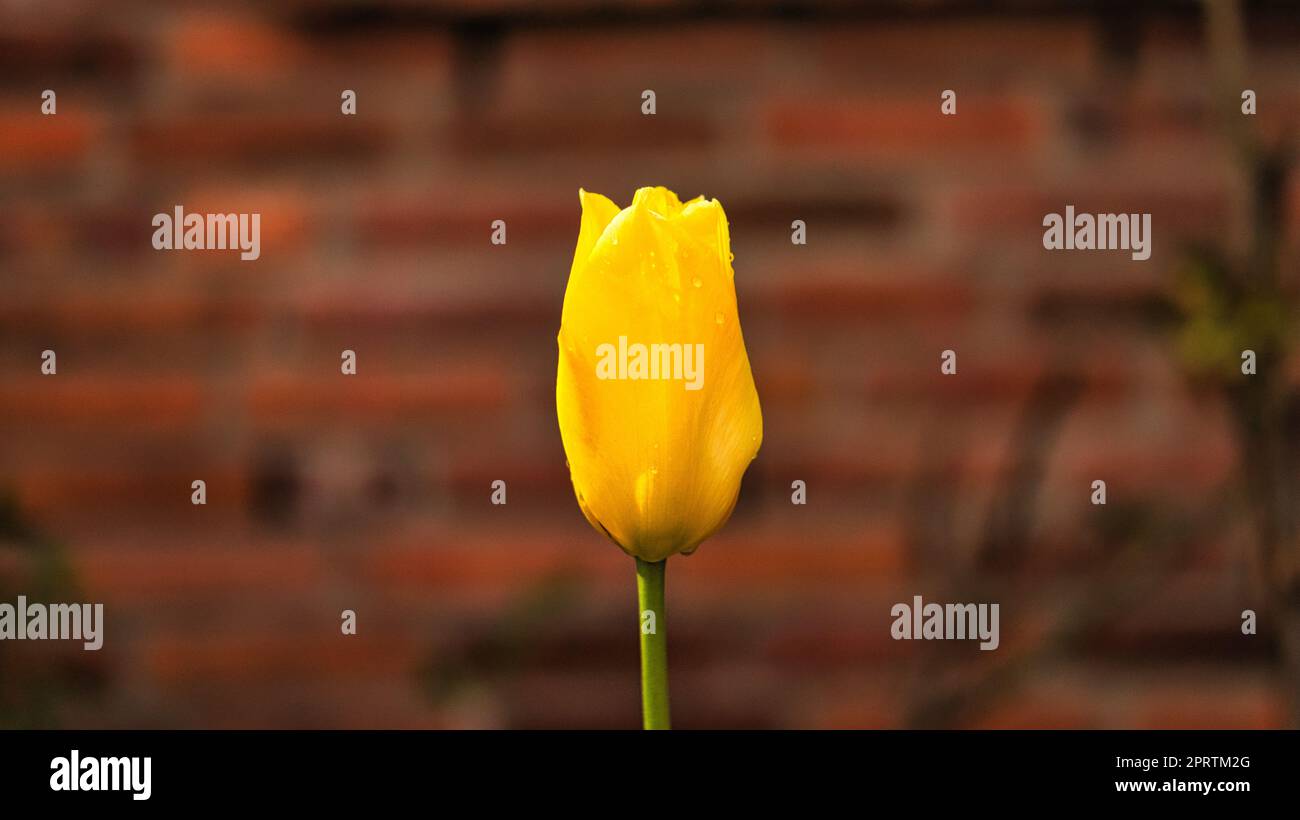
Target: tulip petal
<point>705,220</point>
<point>659,200</point>
<point>597,212</point>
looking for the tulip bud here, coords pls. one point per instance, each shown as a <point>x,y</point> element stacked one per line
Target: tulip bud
<point>656,403</point>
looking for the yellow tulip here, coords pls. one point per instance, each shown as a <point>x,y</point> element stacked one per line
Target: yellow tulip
<point>656,402</point>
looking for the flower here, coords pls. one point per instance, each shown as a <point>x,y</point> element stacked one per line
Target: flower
<point>656,402</point>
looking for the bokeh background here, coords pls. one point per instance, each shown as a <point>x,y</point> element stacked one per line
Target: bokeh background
<point>371,492</point>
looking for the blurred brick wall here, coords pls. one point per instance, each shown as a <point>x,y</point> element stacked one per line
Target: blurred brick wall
<point>372,492</point>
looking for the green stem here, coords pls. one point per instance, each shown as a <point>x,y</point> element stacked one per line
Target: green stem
<point>654,643</point>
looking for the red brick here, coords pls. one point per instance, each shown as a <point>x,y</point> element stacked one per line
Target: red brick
<point>823,296</point>
<point>191,567</point>
<point>126,312</point>
<point>253,659</point>
<point>224,46</point>
<point>468,220</point>
<point>790,557</point>
<point>288,398</point>
<point>728,54</point>
<point>474,559</point>
<point>1174,212</point>
<point>1180,705</point>
<point>903,127</point>
<point>111,402</point>
<point>200,139</point>
<point>288,221</point>
<point>960,53</point>
<point>58,142</point>
<point>65,43</point>
<point>582,134</point>
<point>1028,711</point>
<point>92,488</point>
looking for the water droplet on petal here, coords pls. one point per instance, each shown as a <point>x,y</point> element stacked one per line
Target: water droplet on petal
<point>717,317</point>
<point>697,282</point>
